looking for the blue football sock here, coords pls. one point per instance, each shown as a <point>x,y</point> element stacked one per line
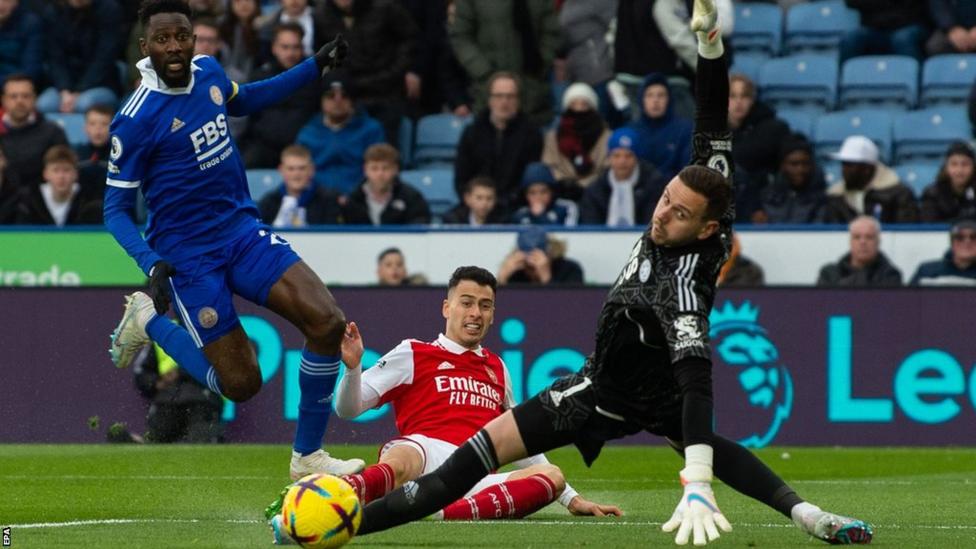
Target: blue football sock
<point>178,344</point>
<point>317,376</point>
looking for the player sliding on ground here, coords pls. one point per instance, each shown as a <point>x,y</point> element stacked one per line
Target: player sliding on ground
<point>651,368</point>
<point>442,393</point>
<point>205,241</point>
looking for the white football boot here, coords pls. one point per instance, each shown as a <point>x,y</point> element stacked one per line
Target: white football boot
<point>130,335</point>
<point>320,461</point>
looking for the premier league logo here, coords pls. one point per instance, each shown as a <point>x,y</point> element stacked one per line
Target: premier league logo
<point>749,357</point>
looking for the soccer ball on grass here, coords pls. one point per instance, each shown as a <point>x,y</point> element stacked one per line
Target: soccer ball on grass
<point>321,511</point>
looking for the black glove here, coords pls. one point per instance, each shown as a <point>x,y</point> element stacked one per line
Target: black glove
<point>159,285</point>
<point>331,55</point>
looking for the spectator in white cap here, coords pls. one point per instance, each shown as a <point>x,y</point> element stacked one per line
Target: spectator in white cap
<point>868,187</point>
<point>627,191</point>
<point>576,150</point>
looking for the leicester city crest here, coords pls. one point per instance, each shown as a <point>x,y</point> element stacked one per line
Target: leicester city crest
<point>748,355</point>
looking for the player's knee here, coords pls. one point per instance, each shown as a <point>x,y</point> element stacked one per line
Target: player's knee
<point>326,326</point>
<point>555,475</point>
<point>241,386</point>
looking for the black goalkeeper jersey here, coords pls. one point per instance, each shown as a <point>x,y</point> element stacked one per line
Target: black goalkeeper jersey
<point>657,310</point>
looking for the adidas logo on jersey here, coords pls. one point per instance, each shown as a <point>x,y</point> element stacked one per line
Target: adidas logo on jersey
<point>445,366</point>
<point>176,125</point>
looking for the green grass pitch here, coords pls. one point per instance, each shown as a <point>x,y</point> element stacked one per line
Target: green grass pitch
<point>213,496</point>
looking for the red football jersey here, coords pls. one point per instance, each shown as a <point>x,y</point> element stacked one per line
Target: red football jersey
<point>441,389</point>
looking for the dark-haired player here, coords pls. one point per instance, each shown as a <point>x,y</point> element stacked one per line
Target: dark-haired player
<point>204,241</point>
<point>651,368</point>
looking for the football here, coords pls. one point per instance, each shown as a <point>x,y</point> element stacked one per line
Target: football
<point>321,511</point>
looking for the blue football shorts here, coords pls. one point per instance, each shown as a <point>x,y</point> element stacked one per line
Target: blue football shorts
<point>248,265</point>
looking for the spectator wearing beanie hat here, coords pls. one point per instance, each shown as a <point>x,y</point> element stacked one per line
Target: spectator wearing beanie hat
<point>869,187</point>
<point>576,150</point>
<point>953,193</point>
<point>797,193</point>
<point>543,208</point>
<point>627,191</point>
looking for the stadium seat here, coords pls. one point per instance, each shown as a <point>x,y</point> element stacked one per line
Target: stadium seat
<point>832,128</point>
<point>817,27</point>
<point>259,182</point>
<point>758,28</point>
<point>748,64</point>
<point>926,134</point>
<point>947,79</point>
<point>831,171</point>
<point>879,81</point>
<point>918,175</point>
<point>437,139</point>
<point>73,125</point>
<point>799,121</point>
<point>405,142</point>
<point>807,82</point>
<point>437,186</point>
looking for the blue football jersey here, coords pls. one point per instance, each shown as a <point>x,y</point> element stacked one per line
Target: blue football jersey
<point>175,144</point>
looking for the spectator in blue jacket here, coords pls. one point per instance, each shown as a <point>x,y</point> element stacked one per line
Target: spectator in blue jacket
<point>21,41</point>
<point>542,207</point>
<point>663,137</point>
<point>339,138</point>
<point>81,55</point>
<point>958,266</point>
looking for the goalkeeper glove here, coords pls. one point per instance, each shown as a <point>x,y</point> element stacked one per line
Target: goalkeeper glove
<point>331,55</point>
<point>697,513</point>
<point>159,276</point>
<point>704,21</point>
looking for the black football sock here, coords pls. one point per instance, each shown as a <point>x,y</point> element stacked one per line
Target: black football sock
<point>432,492</point>
<point>747,474</point>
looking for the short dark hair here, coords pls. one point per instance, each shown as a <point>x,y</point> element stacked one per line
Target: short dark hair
<point>291,26</point>
<point>712,185</point>
<point>101,109</point>
<point>388,251</point>
<point>205,21</point>
<point>478,275</point>
<point>480,181</point>
<point>18,77</point>
<point>152,7</point>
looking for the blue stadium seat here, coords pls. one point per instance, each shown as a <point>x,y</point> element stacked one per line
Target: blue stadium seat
<point>405,142</point>
<point>758,28</point>
<point>925,134</point>
<point>73,125</point>
<point>259,182</point>
<point>748,64</point>
<point>807,82</point>
<point>799,121</point>
<point>437,186</point>
<point>437,139</point>
<point>817,27</point>
<point>947,79</point>
<point>918,175</point>
<point>831,170</point>
<point>879,81</point>
<point>832,128</point>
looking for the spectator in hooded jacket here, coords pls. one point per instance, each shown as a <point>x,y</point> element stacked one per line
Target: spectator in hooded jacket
<point>627,191</point>
<point>539,259</point>
<point>868,187</point>
<point>340,136</point>
<point>798,192</point>
<point>953,194</point>
<point>299,202</point>
<point>757,135</point>
<point>958,266</point>
<point>382,199</point>
<point>499,143</point>
<point>864,265</point>
<point>895,27</point>
<point>576,150</point>
<point>663,137</point>
<point>542,207</point>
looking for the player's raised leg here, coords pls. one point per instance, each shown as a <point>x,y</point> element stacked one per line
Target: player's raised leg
<point>301,297</point>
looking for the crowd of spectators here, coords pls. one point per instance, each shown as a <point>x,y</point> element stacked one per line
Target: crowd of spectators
<point>578,111</point>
